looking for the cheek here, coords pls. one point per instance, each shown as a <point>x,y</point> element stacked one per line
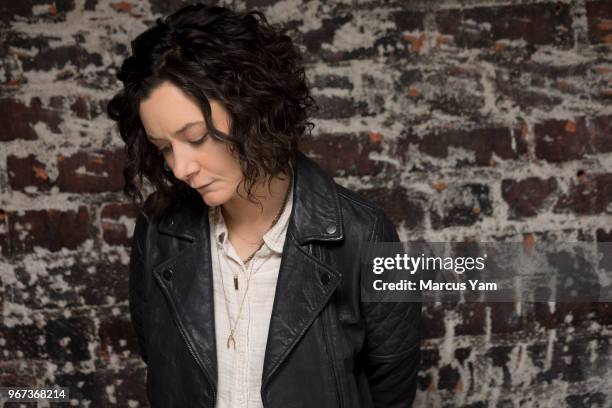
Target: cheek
<point>235,174</point>
<point>228,163</point>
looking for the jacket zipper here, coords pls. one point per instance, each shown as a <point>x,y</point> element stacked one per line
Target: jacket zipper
<point>330,356</point>
<point>330,348</point>
<point>188,342</point>
<point>210,387</point>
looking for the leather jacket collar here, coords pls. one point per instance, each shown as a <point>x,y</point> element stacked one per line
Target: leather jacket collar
<point>305,281</point>
<point>316,214</point>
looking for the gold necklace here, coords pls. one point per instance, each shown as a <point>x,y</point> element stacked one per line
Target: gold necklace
<point>274,221</point>
<point>230,338</point>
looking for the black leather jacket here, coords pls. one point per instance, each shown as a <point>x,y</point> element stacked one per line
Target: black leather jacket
<point>325,348</point>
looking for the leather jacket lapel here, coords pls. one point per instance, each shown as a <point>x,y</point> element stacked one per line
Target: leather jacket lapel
<point>189,285</point>
<point>305,282</point>
<point>304,286</point>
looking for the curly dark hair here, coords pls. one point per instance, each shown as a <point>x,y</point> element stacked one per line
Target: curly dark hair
<point>239,59</point>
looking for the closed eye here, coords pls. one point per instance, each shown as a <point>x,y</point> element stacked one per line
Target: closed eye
<point>197,142</point>
<point>200,140</point>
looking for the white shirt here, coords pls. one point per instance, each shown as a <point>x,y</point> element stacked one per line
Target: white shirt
<point>240,370</point>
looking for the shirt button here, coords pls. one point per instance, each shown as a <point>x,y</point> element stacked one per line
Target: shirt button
<point>331,228</point>
<point>168,274</point>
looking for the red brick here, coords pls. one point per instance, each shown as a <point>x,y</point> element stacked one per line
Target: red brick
<point>603,235</point>
<point>534,23</point>
<point>27,171</point>
<point>52,229</point>
<point>104,171</point>
<point>499,357</point>
<point>432,322</point>
<point>12,10</point>
<point>17,120</point>
<point>24,338</point>
<point>526,198</point>
<point>335,107</point>
<point>448,377</point>
<point>599,18</point>
<point>401,207</point>
<point>332,81</point>
<point>48,58</point>
<point>600,134</point>
<point>473,317</point>
<point>484,142</point>
<point>408,20</point>
<point>112,331</point>
<point>561,140</point>
<point>344,154</point>
<point>591,194</point>
<point>91,388</point>
<point>81,107</point>
<point>505,319</point>
<point>114,230</point>
<point>571,139</point>
<point>17,378</point>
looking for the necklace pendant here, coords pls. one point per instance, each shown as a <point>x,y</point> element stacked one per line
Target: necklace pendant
<point>236,282</point>
<point>231,337</point>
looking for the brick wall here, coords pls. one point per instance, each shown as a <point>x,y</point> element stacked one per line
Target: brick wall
<point>481,120</point>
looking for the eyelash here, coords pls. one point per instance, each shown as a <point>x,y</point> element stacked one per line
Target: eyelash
<point>194,142</point>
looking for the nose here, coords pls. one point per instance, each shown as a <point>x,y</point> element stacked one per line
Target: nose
<point>183,167</point>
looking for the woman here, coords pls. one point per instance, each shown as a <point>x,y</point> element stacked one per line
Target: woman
<point>244,274</point>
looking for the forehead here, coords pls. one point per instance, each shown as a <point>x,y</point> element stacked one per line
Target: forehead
<point>168,109</point>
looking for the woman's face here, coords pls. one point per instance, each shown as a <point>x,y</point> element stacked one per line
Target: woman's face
<point>175,125</point>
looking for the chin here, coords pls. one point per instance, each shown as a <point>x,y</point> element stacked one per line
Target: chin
<point>213,199</point>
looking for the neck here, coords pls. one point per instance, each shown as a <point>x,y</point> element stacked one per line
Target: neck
<point>238,212</point>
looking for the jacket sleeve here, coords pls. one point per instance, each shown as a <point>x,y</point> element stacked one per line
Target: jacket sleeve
<point>137,286</point>
<point>392,343</point>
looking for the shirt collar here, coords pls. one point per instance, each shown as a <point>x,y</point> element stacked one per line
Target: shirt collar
<point>274,238</point>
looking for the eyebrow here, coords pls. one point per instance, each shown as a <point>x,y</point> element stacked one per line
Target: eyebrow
<point>181,130</point>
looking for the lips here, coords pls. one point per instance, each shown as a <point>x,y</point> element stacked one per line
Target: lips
<point>205,185</point>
